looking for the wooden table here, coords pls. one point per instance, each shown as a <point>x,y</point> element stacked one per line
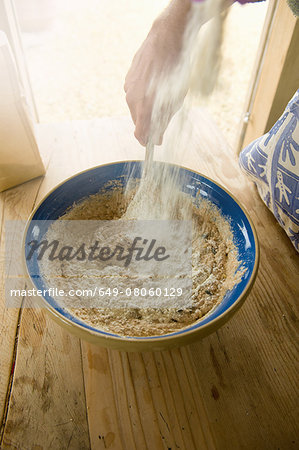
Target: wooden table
<point>236,389</point>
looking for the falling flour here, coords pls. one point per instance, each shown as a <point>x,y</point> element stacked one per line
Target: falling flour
<point>158,196</point>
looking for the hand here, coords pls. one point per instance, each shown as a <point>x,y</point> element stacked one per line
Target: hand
<point>155,59</point>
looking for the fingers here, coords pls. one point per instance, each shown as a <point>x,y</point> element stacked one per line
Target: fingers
<point>141,113</point>
<point>130,99</point>
<point>140,107</point>
<point>140,101</point>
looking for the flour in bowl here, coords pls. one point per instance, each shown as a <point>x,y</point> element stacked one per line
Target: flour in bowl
<point>214,270</point>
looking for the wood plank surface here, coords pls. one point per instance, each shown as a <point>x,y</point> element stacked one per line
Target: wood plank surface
<point>145,400</point>
<point>16,204</point>
<point>48,361</point>
<point>234,389</point>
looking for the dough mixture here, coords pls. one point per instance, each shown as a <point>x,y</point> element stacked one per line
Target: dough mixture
<point>215,268</point>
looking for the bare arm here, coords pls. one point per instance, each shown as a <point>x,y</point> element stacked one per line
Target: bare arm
<point>157,54</point>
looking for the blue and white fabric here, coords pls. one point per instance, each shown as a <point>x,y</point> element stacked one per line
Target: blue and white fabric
<point>272,161</point>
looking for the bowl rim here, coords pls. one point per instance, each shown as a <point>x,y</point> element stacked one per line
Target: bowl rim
<point>97,336</point>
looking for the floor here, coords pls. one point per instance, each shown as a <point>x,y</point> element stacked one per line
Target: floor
<point>78,53</point>
<point>234,389</point>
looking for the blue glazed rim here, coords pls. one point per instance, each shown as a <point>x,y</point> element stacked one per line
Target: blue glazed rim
<point>86,183</point>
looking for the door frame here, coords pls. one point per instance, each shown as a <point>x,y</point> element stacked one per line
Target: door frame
<point>275,75</point>
<point>10,25</point>
<point>274,79</point>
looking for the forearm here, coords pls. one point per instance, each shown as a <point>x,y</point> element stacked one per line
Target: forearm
<point>176,14</point>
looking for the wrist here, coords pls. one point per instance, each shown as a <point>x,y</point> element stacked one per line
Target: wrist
<point>175,15</point>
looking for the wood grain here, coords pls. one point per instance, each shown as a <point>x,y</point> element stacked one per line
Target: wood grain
<point>47,404</point>
<point>66,149</point>
<point>48,364</point>
<point>144,400</point>
<point>234,389</point>
<point>16,204</point>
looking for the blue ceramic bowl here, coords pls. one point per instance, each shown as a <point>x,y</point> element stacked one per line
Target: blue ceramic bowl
<point>90,182</point>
